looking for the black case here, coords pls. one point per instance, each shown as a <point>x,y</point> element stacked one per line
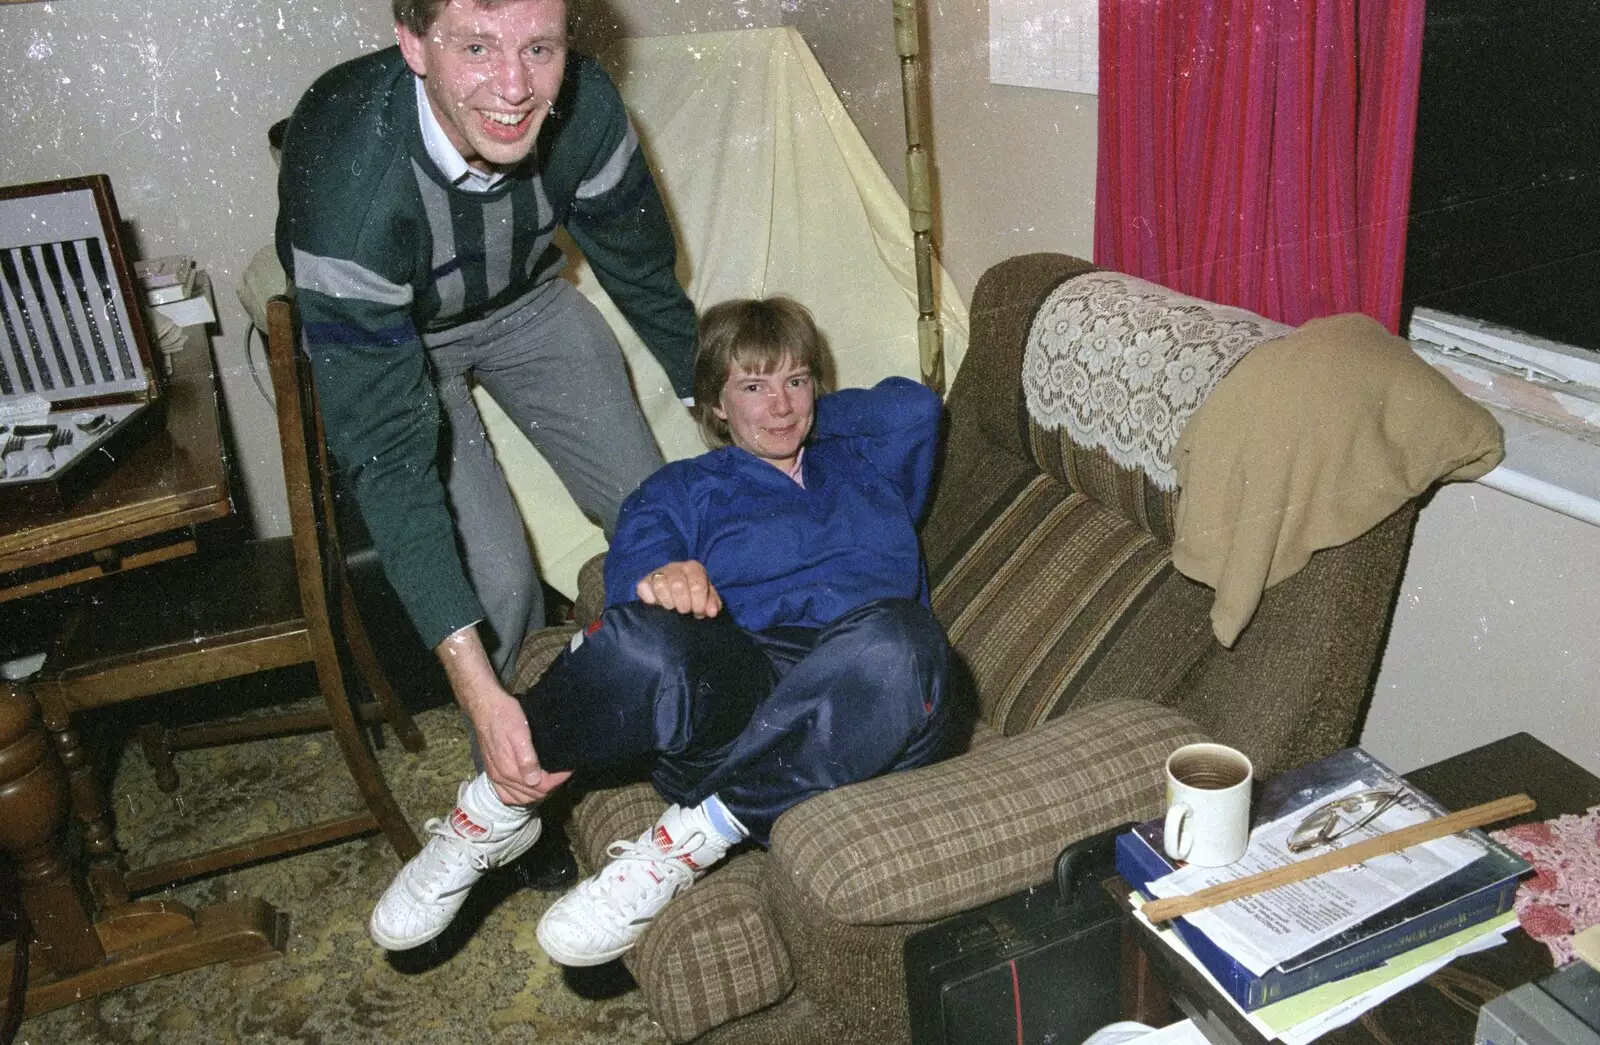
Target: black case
<point>1040,967</point>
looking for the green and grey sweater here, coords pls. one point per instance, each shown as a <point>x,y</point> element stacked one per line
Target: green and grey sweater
<point>380,248</point>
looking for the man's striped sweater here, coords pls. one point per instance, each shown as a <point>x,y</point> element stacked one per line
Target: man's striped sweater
<point>380,248</point>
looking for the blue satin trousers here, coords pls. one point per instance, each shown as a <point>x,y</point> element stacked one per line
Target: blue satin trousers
<point>763,720</point>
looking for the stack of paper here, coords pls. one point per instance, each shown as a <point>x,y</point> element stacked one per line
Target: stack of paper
<point>1307,1016</point>
<point>1325,930</point>
<point>1270,928</point>
<point>194,310</point>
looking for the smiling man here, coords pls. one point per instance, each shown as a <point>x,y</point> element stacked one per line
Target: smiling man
<point>420,190</point>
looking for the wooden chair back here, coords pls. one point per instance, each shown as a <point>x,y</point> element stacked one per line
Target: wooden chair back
<point>306,476</point>
<point>223,613</point>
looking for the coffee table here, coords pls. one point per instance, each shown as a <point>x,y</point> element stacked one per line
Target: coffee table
<point>1159,987</point>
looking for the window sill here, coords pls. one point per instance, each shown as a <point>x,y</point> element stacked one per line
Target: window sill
<point>1552,431</point>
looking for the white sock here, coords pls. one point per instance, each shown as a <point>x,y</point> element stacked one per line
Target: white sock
<point>722,821</point>
<point>690,835</point>
<point>480,801</point>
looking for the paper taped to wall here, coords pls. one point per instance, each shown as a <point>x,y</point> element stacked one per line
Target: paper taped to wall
<point>1053,44</point>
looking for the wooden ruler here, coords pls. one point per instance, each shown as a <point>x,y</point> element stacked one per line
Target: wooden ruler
<point>1389,842</point>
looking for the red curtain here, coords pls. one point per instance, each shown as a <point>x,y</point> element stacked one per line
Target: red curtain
<point>1258,152</point>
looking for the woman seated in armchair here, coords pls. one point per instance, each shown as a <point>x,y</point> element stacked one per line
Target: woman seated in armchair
<point>766,638</point>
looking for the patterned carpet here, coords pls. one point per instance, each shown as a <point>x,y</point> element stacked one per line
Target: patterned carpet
<point>486,980</point>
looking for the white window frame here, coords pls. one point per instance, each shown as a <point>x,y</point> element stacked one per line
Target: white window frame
<point>1546,396</point>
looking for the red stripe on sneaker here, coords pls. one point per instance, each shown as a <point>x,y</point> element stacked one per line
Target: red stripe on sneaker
<point>465,826</point>
<point>664,842</point>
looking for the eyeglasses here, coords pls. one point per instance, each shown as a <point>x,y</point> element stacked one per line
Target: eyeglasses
<point>1333,820</point>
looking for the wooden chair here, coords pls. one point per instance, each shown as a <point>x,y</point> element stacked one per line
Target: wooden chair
<point>223,614</point>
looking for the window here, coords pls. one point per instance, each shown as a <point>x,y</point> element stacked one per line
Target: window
<point>1505,196</point>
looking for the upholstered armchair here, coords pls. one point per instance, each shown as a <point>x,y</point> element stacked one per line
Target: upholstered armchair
<point>1090,658</point>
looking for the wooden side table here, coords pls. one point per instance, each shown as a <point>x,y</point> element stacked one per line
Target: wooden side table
<point>83,947</point>
<point>1159,987</point>
<point>176,478</point>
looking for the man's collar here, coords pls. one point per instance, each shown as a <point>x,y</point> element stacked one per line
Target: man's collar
<point>443,154</point>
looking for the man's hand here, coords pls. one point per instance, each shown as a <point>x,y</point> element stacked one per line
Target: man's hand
<point>508,755</point>
<point>680,586</point>
<point>502,729</point>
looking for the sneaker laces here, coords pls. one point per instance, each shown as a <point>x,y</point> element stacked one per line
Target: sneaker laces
<point>441,859</point>
<point>635,864</point>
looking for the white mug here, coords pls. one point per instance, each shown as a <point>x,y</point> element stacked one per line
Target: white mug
<point>1208,804</point>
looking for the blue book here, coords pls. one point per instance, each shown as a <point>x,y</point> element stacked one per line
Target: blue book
<point>1475,893</point>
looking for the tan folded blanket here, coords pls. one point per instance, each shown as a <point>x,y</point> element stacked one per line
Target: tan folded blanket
<point>1310,441</point>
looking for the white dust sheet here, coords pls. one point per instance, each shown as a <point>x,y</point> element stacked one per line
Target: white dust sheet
<point>772,190</point>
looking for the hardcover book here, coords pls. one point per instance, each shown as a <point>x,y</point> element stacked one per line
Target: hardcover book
<point>1475,893</point>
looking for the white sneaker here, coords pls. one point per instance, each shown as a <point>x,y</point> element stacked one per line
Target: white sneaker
<point>423,898</point>
<point>606,914</point>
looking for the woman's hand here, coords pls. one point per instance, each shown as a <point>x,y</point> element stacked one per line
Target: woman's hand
<point>680,586</point>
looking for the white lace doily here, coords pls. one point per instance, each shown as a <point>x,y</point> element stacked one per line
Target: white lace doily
<point>1121,363</point>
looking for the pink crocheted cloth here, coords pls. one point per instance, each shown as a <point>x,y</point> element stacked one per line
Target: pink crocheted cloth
<point>1563,897</point>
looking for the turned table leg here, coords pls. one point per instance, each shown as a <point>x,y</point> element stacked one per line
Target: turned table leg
<point>33,797</point>
<point>131,943</point>
<point>106,868</point>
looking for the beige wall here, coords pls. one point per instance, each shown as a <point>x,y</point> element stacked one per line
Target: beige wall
<point>598,22</point>
<point>1495,633</point>
<point>1014,166</point>
<point>172,100</point>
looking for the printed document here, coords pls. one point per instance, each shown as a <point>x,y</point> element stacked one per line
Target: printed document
<point>1264,930</point>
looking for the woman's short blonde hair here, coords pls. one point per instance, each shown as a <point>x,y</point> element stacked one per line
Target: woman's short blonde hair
<point>756,335</point>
